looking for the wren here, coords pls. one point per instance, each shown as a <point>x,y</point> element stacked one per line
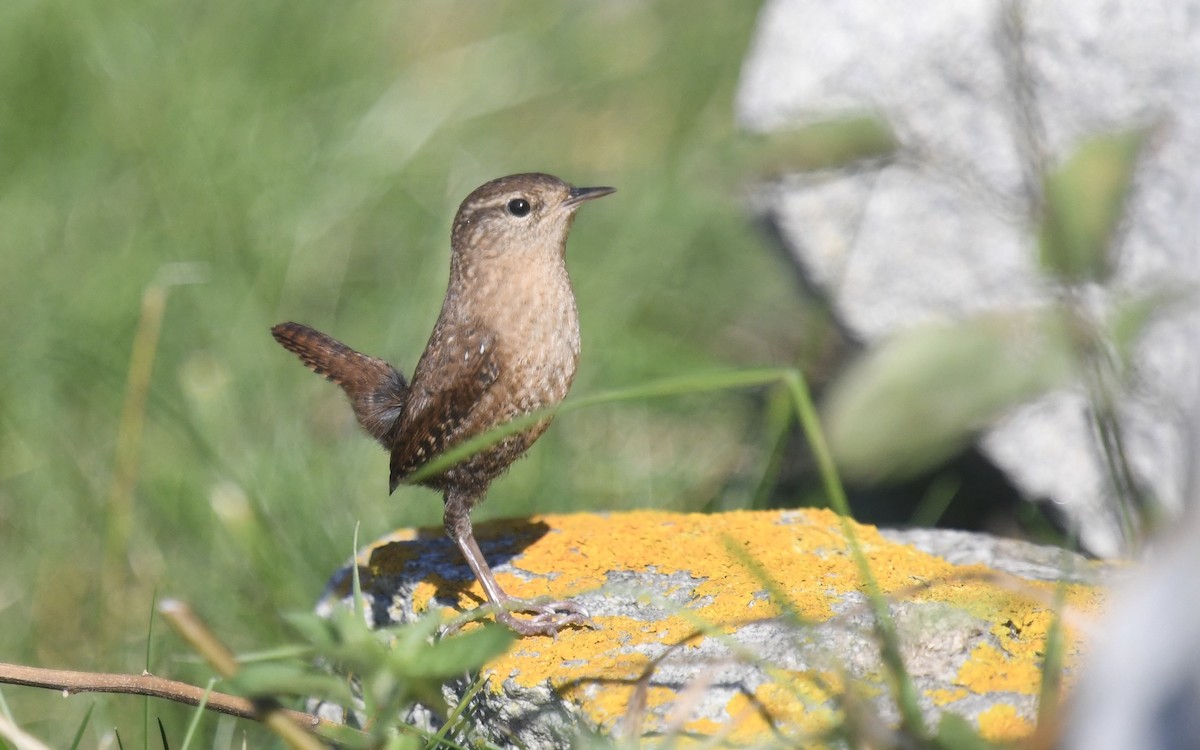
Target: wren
<point>505,345</point>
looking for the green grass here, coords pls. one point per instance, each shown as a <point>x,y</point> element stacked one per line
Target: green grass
<point>302,160</point>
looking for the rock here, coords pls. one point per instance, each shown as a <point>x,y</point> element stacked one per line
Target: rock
<point>971,637</point>
<point>1033,561</point>
<point>945,230</point>
<point>1141,684</point>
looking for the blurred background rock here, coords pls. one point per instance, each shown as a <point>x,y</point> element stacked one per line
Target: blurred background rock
<point>1022,268</point>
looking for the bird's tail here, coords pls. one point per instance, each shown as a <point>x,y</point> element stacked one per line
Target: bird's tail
<point>377,391</point>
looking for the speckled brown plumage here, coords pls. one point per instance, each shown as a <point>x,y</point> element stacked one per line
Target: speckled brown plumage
<point>506,344</point>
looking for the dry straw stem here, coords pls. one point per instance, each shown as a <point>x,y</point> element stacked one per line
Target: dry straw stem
<point>221,659</point>
<point>294,727</point>
<point>130,428</point>
<point>70,682</point>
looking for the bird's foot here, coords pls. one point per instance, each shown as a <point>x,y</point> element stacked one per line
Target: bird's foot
<point>548,617</point>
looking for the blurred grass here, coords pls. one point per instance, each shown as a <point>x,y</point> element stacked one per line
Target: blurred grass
<point>304,159</point>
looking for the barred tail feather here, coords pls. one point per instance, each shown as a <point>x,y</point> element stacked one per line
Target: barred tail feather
<point>376,390</point>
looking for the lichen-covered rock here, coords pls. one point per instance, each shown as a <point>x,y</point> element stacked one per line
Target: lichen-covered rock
<point>691,640</point>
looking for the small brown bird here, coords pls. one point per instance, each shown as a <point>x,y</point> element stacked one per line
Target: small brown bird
<point>505,345</point>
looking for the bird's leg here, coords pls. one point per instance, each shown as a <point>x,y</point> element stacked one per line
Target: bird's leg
<point>548,617</point>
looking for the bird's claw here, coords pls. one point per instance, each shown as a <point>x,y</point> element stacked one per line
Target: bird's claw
<point>548,617</point>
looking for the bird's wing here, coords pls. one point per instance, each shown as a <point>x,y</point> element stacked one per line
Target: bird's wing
<point>376,390</point>
<point>458,367</point>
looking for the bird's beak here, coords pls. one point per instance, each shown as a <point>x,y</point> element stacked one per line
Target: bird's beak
<point>579,195</point>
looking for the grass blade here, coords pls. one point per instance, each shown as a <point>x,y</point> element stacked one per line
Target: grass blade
<point>82,726</point>
<point>885,627</point>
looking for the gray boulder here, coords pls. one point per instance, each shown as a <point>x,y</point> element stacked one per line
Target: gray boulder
<point>981,95</point>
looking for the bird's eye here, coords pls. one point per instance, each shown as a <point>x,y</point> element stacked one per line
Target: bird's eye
<point>518,207</point>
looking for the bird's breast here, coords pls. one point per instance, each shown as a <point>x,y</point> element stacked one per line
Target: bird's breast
<point>533,314</point>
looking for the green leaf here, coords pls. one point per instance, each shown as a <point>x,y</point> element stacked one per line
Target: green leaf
<point>450,657</point>
<point>1084,202</point>
<point>821,145</point>
<point>403,742</point>
<point>956,733</point>
<point>415,636</point>
<point>1130,318</point>
<point>342,637</point>
<point>258,680</point>
<point>921,396</point>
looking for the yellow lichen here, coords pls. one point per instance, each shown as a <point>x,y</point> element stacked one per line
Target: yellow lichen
<point>798,705</point>
<point>946,696</point>
<point>990,670</point>
<point>1002,723</point>
<point>805,554</point>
